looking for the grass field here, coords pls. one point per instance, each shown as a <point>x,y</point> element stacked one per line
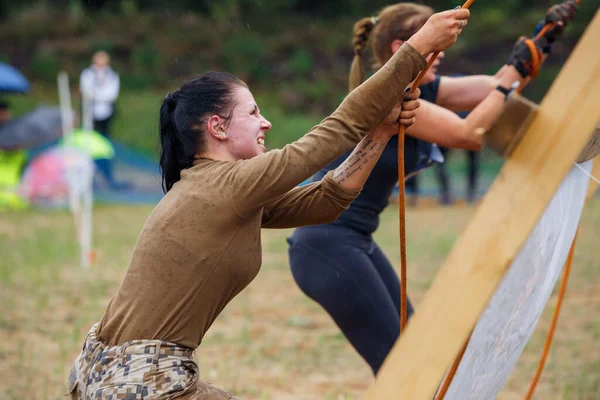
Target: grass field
<point>271,342</point>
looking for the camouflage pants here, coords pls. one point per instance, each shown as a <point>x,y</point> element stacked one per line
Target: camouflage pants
<point>140,369</point>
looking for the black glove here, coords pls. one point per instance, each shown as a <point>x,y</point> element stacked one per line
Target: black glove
<point>551,36</point>
<point>522,58</point>
<point>563,12</point>
<point>559,15</point>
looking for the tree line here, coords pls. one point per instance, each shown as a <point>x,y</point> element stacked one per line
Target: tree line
<point>316,8</point>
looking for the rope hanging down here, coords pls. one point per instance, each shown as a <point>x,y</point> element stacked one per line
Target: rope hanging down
<point>450,374</point>
<point>559,300</point>
<point>402,194</point>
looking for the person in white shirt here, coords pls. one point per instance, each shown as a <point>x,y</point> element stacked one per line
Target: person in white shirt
<point>99,86</point>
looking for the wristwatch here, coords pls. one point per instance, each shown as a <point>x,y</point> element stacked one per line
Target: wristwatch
<point>507,91</point>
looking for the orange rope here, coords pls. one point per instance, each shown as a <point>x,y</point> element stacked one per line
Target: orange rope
<point>402,226</point>
<point>424,72</point>
<point>561,295</point>
<point>402,195</point>
<point>544,29</point>
<point>450,375</point>
<point>535,58</point>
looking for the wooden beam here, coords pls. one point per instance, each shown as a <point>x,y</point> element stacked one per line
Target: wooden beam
<point>565,121</point>
<point>506,133</point>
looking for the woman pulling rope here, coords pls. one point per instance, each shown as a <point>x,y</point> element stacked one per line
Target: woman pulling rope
<point>339,265</point>
<point>200,246</point>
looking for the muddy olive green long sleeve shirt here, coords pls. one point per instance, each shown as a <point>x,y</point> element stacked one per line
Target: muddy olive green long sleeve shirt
<point>200,246</point>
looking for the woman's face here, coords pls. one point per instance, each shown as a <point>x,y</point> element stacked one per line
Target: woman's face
<point>431,74</point>
<point>247,127</point>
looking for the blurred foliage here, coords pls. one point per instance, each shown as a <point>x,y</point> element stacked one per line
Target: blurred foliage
<point>45,66</point>
<point>145,68</point>
<point>244,55</point>
<point>294,54</point>
<point>312,7</point>
<point>300,63</point>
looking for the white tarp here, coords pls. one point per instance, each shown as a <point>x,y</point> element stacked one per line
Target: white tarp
<point>510,318</point>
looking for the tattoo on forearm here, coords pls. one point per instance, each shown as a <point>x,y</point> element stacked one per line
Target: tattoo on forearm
<point>364,152</point>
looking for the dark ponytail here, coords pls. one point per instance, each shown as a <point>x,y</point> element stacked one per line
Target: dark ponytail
<point>183,116</point>
<point>168,146</point>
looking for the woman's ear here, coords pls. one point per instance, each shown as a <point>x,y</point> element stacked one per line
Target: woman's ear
<point>396,45</point>
<point>216,127</point>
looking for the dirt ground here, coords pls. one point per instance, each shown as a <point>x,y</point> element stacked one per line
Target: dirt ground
<point>271,342</point>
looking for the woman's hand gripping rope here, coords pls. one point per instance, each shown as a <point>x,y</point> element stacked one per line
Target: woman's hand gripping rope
<point>529,54</point>
<point>409,106</point>
<point>557,18</point>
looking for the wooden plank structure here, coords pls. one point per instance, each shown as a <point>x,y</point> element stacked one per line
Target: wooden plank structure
<point>518,114</point>
<point>506,133</point>
<point>503,221</point>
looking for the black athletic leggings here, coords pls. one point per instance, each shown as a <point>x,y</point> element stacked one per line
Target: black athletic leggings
<point>350,277</point>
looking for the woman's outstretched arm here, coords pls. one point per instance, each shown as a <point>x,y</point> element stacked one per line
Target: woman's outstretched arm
<point>436,124</point>
<point>466,92</point>
<point>266,177</point>
<point>322,202</point>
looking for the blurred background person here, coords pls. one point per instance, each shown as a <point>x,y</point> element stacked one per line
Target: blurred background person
<point>99,85</point>
<point>446,197</point>
<point>443,177</point>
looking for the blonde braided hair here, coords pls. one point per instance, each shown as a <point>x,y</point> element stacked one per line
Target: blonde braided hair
<point>398,21</point>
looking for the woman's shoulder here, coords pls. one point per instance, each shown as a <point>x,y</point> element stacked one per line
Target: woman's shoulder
<point>206,173</point>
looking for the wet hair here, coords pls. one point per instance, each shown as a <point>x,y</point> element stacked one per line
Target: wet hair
<point>183,117</point>
<point>398,21</point>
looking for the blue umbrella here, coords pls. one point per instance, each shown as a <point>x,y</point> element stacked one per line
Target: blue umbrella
<point>11,80</point>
